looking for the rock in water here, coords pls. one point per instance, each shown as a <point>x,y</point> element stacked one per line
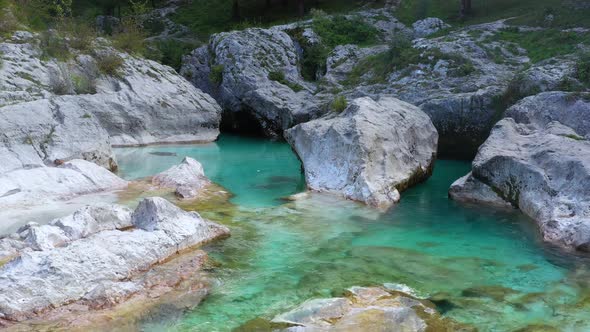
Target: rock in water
<point>364,309</point>
<point>540,166</point>
<point>188,178</point>
<point>370,152</point>
<point>100,268</point>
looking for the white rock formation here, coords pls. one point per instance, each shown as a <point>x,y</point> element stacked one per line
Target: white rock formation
<point>540,166</point>
<point>101,266</point>
<point>370,152</point>
<point>187,178</point>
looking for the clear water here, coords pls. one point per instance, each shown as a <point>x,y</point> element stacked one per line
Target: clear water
<point>483,267</point>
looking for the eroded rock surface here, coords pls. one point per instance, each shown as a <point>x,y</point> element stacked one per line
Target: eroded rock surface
<point>41,185</point>
<point>53,111</point>
<point>237,67</point>
<point>187,178</point>
<point>370,152</point>
<point>539,165</point>
<point>364,309</point>
<point>101,269</point>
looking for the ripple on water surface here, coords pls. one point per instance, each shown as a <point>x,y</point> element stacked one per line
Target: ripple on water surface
<point>484,267</point>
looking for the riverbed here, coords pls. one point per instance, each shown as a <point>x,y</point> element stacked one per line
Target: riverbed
<point>483,267</point>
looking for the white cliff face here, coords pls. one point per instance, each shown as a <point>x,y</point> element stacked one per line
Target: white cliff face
<point>52,110</point>
<point>100,266</point>
<point>370,152</point>
<point>540,166</point>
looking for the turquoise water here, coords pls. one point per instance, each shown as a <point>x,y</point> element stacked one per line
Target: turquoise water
<point>482,267</point>
<point>258,172</point>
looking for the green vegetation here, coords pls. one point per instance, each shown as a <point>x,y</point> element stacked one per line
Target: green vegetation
<point>216,74</point>
<point>279,76</point>
<point>583,69</point>
<point>83,84</point>
<point>336,30</point>
<point>574,137</point>
<point>205,17</point>
<point>339,30</point>
<point>109,63</point>
<point>566,14</point>
<point>542,44</point>
<point>339,104</point>
<point>401,55</point>
<point>169,52</point>
<point>54,46</point>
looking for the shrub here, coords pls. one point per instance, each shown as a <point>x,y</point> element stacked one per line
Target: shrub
<point>399,56</point>
<point>131,40</point>
<point>341,30</point>
<point>216,74</point>
<point>339,104</point>
<point>8,22</point>
<point>279,76</point>
<point>83,84</point>
<point>109,63</point>
<point>313,62</point>
<point>169,52</point>
<point>53,46</point>
<point>81,34</point>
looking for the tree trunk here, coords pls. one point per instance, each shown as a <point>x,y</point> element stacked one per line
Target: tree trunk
<point>465,7</point>
<point>236,10</point>
<point>301,7</point>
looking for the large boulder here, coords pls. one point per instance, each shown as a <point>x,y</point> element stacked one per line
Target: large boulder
<point>255,77</point>
<point>101,269</point>
<point>540,166</point>
<point>187,178</point>
<point>77,108</point>
<point>370,152</point>
<point>364,309</point>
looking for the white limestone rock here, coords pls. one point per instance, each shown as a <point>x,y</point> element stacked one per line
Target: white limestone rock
<point>101,266</point>
<point>540,166</point>
<point>187,178</point>
<point>370,152</point>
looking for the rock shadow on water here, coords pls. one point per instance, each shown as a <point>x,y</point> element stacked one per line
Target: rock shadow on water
<point>163,154</point>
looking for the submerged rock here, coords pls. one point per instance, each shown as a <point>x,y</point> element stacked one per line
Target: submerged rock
<point>540,166</point>
<point>370,152</point>
<point>100,270</point>
<point>188,178</point>
<point>364,309</point>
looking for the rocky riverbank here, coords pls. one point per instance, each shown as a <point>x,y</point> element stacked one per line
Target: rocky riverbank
<point>538,160</point>
<point>104,251</point>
